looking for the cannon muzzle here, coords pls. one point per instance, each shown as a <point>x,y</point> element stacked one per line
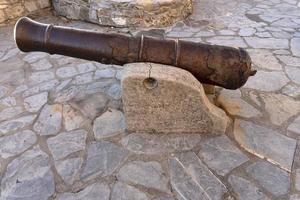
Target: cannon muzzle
<point>223,66</point>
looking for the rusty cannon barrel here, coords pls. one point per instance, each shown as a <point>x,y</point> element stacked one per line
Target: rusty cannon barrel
<point>223,66</point>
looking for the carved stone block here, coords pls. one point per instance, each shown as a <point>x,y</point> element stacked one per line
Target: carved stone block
<point>165,99</point>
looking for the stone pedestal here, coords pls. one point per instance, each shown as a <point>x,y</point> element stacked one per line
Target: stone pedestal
<point>170,101</point>
<point>145,13</point>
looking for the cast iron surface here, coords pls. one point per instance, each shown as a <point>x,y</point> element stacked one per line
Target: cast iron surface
<point>227,67</point>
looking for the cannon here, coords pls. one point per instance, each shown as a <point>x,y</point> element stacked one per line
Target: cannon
<point>223,66</point>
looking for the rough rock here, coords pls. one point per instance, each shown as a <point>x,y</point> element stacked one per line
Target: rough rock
<point>35,102</point>
<point>295,125</point>
<point>72,118</point>
<point>265,143</point>
<point>10,112</point>
<point>105,73</point>
<point>177,104</point>
<point>295,46</point>
<point>66,143</point>
<point>91,192</point>
<point>68,169</point>
<point>115,91</point>
<point>267,43</point>
<point>126,13</point>
<point>267,81</point>
<point>41,76</point>
<point>264,59</point>
<point>290,60</point>
<point>49,120</point>
<point>191,179</point>
<point>110,123</point>
<point>221,155</point>
<point>102,159</point>
<point>232,102</point>
<point>147,174</point>
<point>267,174</point>
<point>227,41</point>
<point>160,143</point>
<point>17,143</point>
<point>126,192</point>
<point>280,107</point>
<point>92,105</point>
<point>293,73</point>
<point>28,177</point>
<point>66,72</point>
<point>245,189</point>
<point>16,124</point>
<point>43,64</point>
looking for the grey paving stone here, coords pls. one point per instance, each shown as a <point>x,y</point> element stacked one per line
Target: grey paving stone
<point>110,123</point>
<point>232,102</point>
<point>227,41</point>
<point>247,31</point>
<point>289,60</point>
<point>45,86</point>
<point>221,155</point>
<point>285,22</point>
<point>148,174</point>
<point>83,78</point>
<point>103,158</point>
<point>72,118</point>
<point>43,64</point>
<point>34,56</point>
<point>291,90</point>
<point>153,144</point>
<point>35,102</point>
<point>267,81</point>
<point>68,169</point>
<point>293,73</point>
<point>245,189</point>
<point>264,59</point>
<point>66,143</point>
<point>119,74</point>
<point>297,180</point>
<point>95,191</point>
<point>294,197</point>
<point>280,107</point>
<point>17,143</point>
<point>86,67</point>
<point>191,179</point>
<point>99,86</point>
<point>50,120</point>
<point>267,43</point>
<point>265,143</point>
<point>41,76</point>
<point>10,112</point>
<point>115,91</point>
<point>16,124</point>
<point>3,91</point>
<point>164,198</point>
<point>295,125</point>
<point>92,105</point>
<point>105,73</point>
<point>28,177</point>
<point>66,72</point>
<point>69,93</point>
<point>11,53</point>
<point>126,192</point>
<point>8,101</point>
<point>272,178</point>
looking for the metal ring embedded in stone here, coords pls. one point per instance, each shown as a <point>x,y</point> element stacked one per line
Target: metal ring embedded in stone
<point>150,83</point>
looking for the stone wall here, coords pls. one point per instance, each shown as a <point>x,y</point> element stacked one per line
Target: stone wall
<point>143,13</point>
<point>10,9</point>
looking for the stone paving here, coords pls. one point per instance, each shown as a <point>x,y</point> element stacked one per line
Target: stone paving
<point>62,132</point>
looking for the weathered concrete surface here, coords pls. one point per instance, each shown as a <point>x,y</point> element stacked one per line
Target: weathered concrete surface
<point>177,104</point>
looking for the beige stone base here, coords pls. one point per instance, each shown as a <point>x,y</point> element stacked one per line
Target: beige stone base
<point>172,101</point>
